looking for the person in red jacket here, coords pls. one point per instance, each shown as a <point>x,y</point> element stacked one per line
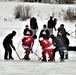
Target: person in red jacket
<point>47,47</point>
<point>27,43</point>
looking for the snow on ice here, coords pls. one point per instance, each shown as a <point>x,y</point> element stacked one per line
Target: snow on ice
<point>34,67</point>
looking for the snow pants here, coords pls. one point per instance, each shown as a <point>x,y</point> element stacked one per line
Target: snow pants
<point>61,52</point>
<point>27,52</point>
<point>49,52</point>
<point>34,31</point>
<point>8,51</point>
<point>50,30</point>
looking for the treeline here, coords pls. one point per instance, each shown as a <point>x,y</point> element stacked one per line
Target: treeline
<point>47,1</point>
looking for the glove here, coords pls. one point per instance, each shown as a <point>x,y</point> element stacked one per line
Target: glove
<point>31,51</point>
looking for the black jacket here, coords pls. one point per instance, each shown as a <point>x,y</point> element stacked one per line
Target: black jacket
<point>50,24</point>
<point>58,43</point>
<point>8,41</point>
<point>27,31</point>
<point>45,34</point>
<point>33,23</point>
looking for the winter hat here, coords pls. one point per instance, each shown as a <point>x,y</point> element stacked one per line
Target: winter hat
<point>44,25</point>
<point>34,36</point>
<point>62,25</point>
<point>14,33</point>
<point>41,38</point>
<point>26,26</point>
<point>52,36</point>
<point>51,17</point>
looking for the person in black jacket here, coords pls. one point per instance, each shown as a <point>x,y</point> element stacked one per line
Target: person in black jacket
<point>59,47</point>
<point>33,25</point>
<point>51,24</point>
<point>62,35</point>
<point>54,23</point>
<point>27,31</point>
<point>44,32</point>
<point>8,45</point>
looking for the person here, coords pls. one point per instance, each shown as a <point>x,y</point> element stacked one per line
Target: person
<point>54,23</point>
<point>33,25</point>
<point>8,45</point>
<point>27,44</point>
<point>47,47</point>
<point>44,32</point>
<point>62,35</point>
<point>27,31</point>
<point>59,47</point>
<point>51,24</point>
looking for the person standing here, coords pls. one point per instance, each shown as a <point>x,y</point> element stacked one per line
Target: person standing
<point>51,24</point>
<point>44,32</point>
<point>54,23</point>
<point>8,45</point>
<point>27,31</point>
<point>33,25</point>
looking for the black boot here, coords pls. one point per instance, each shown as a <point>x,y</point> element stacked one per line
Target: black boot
<point>43,60</point>
<point>11,58</point>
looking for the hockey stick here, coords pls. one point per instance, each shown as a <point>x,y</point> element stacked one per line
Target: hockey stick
<point>17,49</point>
<point>73,36</point>
<point>37,54</point>
<point>18,55</point>
<point>37,47</point>
<point>73,32</point>
<point>39,58</point>
<point>18,45</point>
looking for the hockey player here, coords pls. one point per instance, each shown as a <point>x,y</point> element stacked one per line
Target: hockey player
<point>27,43</point>
<point>44,33</point>
<point>47,47</point>
<point>8,45</point>
<point>59,47</point>
<point>62,35</point>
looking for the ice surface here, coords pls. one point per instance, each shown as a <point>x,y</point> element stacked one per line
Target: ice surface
<point>34,66</point>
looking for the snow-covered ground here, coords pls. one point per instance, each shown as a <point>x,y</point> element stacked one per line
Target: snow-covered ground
<point>33,67</point>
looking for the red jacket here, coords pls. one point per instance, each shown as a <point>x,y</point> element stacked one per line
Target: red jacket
<point>28,41</point>
<point>46,44</point>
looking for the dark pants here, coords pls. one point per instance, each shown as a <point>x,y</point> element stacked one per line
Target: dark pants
<point>8,51</point>
<point>61,52</point>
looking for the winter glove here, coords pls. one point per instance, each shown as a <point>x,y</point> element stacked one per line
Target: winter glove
<point>31,51</point>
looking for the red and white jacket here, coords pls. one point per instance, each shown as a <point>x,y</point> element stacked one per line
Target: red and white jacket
<point>27,41</point>
<point>46,44</point>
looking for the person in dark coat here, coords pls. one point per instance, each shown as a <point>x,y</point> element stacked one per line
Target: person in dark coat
<point>62,35</point>
<point>54,23</point>
<point>27,31</point>
<point>44,32</point>
<point>59,47</point>
<point>51,24</point>
<point>33,25</point>
<point>8,45</point>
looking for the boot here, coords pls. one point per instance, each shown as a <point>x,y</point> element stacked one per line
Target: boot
<point>11,58</point>
<point>43,60</point>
